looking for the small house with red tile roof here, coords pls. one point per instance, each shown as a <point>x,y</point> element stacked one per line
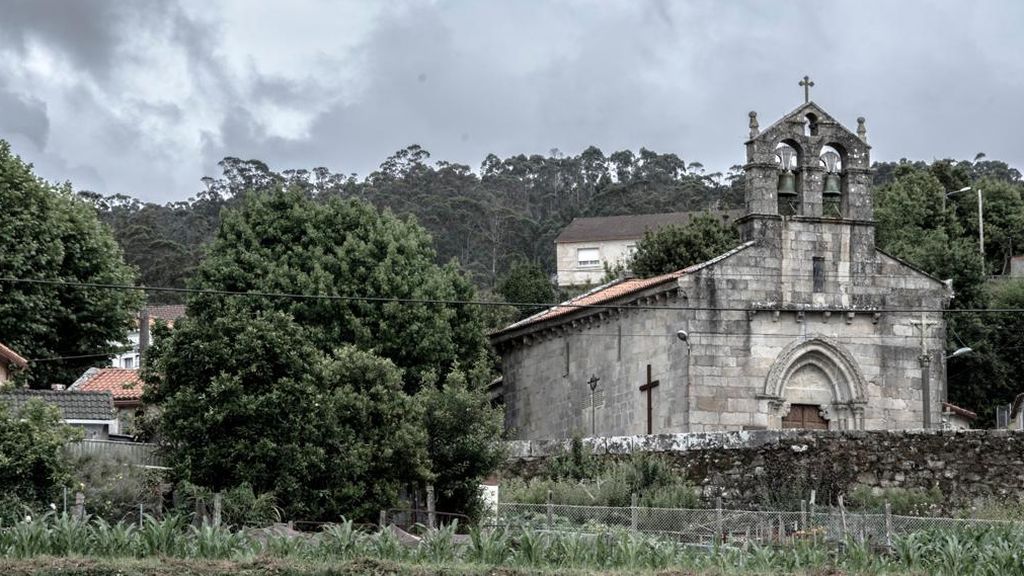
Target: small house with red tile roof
<point>124,385</point>
<point>10,361</point>
<point>804,324</point>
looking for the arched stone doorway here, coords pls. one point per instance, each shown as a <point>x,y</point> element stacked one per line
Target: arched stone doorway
<point>821,379</point>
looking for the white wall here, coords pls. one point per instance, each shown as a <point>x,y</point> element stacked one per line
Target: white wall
<point>611,252</point>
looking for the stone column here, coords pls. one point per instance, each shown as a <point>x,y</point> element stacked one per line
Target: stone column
<point>926,399</point>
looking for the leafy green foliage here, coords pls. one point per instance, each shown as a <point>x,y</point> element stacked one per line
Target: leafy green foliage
<point>461,428</point>
<point>33,467</point>
<point>526,282</point>
<point>249,399</point>
<point>313,399</point>
<point>49,235</point>
<point>113,488</point>
<point>675,247</point>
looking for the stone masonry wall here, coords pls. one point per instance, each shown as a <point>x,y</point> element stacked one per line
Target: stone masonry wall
<point>757,468</point>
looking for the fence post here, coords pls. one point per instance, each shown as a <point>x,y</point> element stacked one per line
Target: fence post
<point>65,500</point>
<point>216,508</point>
<point>782,529</point>
<point>140,515</point>
<point>719,522</point>
<point>888,525</point>
<point>842,516</point>
<point>431,512</point>
<point>633,511</point>
<point>550,511</point>
<point>803,515</point>
<point>382,522</point>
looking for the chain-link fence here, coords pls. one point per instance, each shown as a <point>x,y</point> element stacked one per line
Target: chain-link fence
<point>709,525</point>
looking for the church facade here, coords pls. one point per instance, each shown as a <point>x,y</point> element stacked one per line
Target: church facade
<point>804,324</point>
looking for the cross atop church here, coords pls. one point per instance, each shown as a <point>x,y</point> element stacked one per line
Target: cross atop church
<point>806,83</point>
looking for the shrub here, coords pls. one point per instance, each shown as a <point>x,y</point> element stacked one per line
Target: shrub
<point>114,488</point>
<point>33,467</point>
<point>903,501</point>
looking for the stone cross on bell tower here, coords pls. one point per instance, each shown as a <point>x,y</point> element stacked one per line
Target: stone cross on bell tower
<point>807,84</point>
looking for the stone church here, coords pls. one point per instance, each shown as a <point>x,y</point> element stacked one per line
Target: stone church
<point>804,324</point>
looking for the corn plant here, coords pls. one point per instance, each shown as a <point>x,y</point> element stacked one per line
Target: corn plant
<point>438,545</point>
<point>488,547</point>
<point>532,547</point>
<point>29,538</point>
<point>68,535</point>
<point>217,543</point>
<point>165,537</point>
<point>120,540</point>
<point>342,541</point>
<point>386,546</point>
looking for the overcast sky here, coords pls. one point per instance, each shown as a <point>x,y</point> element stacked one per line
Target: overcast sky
<point>144,97</point>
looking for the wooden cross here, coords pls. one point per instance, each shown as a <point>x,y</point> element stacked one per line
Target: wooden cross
<point>807,83</point>
<point>649,388</point>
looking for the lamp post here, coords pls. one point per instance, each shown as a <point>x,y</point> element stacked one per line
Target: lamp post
<point>684,337</point>
<point>593,407</point>
<point>981,216</point>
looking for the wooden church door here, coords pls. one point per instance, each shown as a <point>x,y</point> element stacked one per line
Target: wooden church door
<point>806,417</point>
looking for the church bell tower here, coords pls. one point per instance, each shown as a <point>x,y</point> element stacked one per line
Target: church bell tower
<point>806,167</point>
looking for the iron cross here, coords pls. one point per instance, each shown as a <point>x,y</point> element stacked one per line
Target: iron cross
<point>807,83</point>
<point>649,388</point>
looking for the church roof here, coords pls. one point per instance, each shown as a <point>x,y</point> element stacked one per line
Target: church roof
<point>630,226</point>
<point>613,291</point>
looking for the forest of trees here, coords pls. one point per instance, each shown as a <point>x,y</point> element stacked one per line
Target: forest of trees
<point>509,210</point>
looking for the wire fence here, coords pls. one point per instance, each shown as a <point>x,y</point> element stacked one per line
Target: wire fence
<point>710,525</point>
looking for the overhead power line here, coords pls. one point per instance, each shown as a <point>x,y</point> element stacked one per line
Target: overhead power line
<point>435,301</point>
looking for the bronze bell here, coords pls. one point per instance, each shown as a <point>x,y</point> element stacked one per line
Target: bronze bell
<point>831,186</point>
<point>787,184</point>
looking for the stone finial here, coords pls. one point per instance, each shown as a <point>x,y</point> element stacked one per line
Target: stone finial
<point>754,128</point>
<point>862,132</point>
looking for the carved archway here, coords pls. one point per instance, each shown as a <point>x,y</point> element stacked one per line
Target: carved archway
<point>818,371</point>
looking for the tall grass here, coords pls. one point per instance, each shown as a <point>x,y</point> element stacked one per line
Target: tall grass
<point>966,551</point>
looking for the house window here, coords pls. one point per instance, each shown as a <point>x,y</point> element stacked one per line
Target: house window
<point>819,274</point>
<point>588,257</point>
<point>129,362</point>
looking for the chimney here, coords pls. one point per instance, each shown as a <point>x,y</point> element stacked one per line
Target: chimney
<point>143,332</point>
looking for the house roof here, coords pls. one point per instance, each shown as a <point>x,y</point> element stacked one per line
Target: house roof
<point>168,313</point>
<point>628,227</point>
<point>73,404</point>
<point>12,357</point>
<point>613,291</point>
<point>946,406</point>
<point>122,383</point>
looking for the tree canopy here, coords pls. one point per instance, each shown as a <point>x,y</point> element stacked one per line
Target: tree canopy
<point>51,237</point>
<point>674,247</point>
<point>313,398</point>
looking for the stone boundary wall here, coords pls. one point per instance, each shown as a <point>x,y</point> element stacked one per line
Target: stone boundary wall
<point>759,468</point>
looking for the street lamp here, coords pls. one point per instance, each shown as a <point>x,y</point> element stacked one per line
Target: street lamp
<point>960,352</point>
<point>981,219</point>
<point>593,407</point>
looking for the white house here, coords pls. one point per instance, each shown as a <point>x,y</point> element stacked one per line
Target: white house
<point>130,359</point>
<point>588,245</point>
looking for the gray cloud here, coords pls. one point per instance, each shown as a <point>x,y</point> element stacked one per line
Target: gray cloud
<point>24,116</point>
<point>465,79</point>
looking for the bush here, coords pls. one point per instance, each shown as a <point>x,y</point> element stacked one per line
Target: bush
<point>33,466</point>
<point>114,488</point>
<point>240,506</point>
<point>903,501</point>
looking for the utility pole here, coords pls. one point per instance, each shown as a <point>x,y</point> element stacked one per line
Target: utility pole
<point>924,325</point>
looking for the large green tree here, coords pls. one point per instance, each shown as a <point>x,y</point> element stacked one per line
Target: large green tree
<point>305,386</point>
<point>526,282</point>
<point>671,248</point>
<point>48,235</point>
<point>247,397</point>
